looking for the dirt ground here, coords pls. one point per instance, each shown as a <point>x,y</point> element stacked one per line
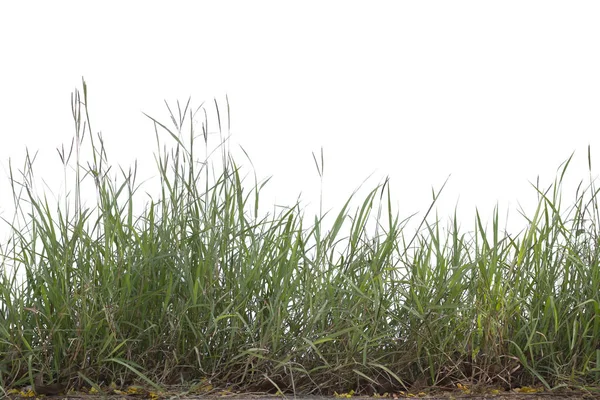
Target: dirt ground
<point>571,395</point>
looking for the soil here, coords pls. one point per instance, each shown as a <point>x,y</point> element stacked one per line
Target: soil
<point>570,395</point>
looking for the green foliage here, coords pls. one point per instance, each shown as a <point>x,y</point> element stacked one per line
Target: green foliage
<point>200,286</point>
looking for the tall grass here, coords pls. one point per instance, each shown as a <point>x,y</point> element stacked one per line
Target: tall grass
<point>201,286</point>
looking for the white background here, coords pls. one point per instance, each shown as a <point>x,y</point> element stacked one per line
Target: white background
<point>493,94</point>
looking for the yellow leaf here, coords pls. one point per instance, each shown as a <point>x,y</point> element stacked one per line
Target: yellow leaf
<point>528,389</point>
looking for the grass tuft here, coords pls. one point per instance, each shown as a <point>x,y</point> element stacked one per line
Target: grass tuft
<point>200,289</point>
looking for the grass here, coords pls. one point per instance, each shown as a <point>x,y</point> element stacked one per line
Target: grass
<point>201,288</point>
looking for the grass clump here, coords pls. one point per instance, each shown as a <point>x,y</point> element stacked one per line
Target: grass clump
<point>201,288</point>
